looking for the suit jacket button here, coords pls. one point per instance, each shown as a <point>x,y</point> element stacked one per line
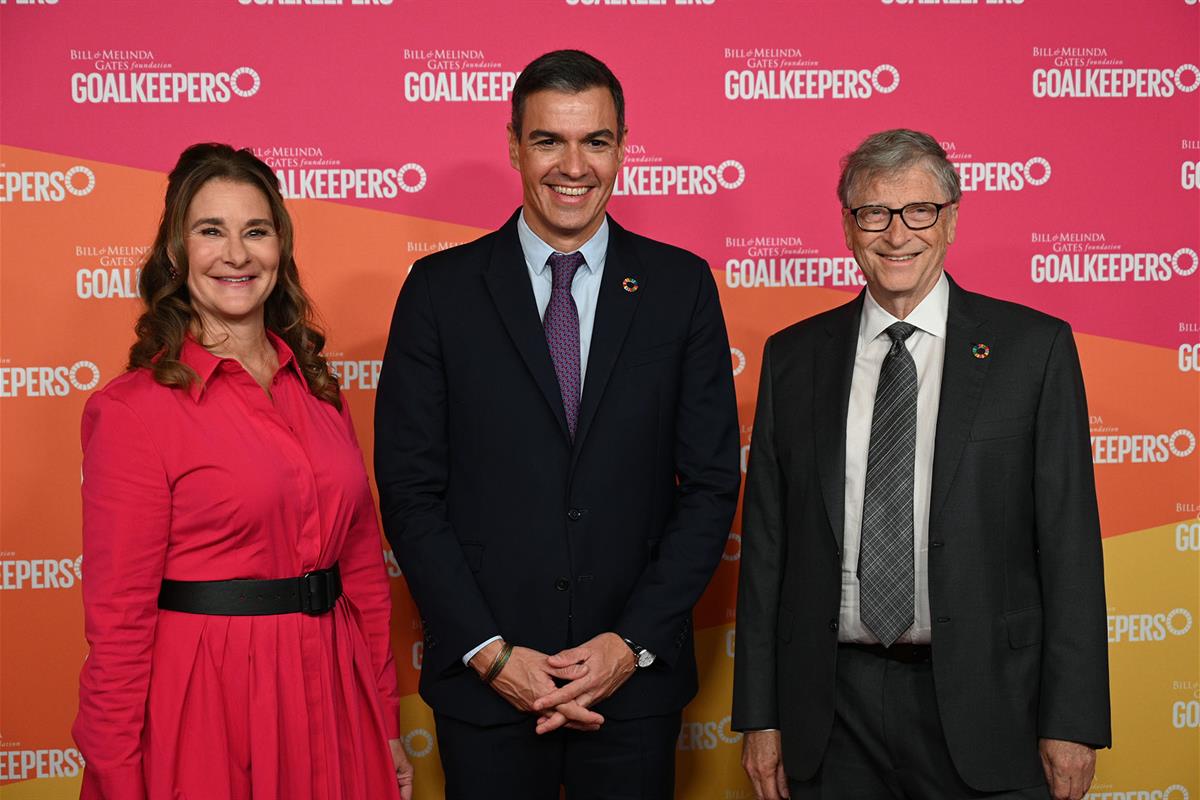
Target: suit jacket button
<point>935,544</point>
<point>833,625</point>
<point>574,514</point>
<point>562,584</point>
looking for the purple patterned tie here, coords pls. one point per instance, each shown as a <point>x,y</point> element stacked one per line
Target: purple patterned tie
<point>562,332</point>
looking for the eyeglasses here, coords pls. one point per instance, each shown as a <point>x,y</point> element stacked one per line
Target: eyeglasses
<point>915,216</point>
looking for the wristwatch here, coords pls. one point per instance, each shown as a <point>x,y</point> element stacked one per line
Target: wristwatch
<point>642,657</point>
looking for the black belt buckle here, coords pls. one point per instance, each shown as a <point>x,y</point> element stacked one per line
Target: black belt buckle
<point>909,653</point>
<point>319,591</point>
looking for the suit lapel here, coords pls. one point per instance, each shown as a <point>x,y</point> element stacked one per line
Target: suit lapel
<point>614,312</point>
<point>833,371</point>
<point>962,385</point>
<point>507,279</point>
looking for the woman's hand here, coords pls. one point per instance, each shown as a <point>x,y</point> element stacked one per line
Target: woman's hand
<point>404,768</point>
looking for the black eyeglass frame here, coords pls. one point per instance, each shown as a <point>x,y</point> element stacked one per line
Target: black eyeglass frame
<point>892,212</point>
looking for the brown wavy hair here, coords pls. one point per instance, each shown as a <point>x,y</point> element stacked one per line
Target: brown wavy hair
<point>169,315</point>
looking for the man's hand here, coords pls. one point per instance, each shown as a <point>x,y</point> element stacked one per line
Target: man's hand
<point>1069,767</point>
<point>609,662</point>
<point>761,758</point>
<point>528,675</point>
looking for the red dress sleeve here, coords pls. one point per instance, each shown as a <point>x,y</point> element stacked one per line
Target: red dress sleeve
<point>365,580</point>
<point>126,520</point>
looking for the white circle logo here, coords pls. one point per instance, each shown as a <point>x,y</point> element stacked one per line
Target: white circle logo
<point>740,361</point>
<point>1188,87</point>
<point>731,164</point>
<point>1037,161</point>
<point>1191,446</point>
<point>73,375</point>
<point>238,90</point>
<point>736,538</point>
<point>426,747</point>
<point>70,180</point>
<point>891,87</point>
<point>402,174</point>
<point>1180,253</point>
<point>1187,621</point>
<point>77,568</point>
<point>727,736</point>
<point>1169,792</point>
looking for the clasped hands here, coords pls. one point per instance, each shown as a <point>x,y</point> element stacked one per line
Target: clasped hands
<point>593,671</point>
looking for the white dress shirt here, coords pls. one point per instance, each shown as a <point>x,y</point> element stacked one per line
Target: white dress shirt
<point>585,289</point>
<point>928,347</point>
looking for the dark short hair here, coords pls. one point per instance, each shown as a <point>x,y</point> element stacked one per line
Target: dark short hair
<point>570,71</point>
<point>892,152</point>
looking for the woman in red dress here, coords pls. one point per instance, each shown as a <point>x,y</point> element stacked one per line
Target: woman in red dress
<point>235,596</point>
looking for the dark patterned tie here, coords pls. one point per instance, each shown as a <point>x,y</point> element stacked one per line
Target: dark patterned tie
<point>562,332</point>
<point>885,564</point>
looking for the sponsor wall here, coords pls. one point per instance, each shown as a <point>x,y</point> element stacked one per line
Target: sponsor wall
<point>1075,126</point>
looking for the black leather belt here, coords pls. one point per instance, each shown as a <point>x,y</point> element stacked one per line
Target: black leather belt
<point>904,653</point>
<point>312,593</point>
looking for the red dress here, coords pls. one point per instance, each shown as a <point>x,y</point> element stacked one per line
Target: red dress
<point>219,482</point>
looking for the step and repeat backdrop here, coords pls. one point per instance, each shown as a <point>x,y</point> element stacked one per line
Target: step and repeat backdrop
<point>1075,126</point>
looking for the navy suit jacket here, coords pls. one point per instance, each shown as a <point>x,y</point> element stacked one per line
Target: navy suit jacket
<point>504,525</point>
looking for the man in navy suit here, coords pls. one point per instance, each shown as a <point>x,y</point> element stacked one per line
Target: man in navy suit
<point>558,467</point>
<point>921,601</point>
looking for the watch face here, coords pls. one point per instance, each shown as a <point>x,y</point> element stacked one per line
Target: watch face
<point>645,658</point>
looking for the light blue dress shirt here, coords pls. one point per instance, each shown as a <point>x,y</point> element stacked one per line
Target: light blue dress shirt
<point>585,289</point>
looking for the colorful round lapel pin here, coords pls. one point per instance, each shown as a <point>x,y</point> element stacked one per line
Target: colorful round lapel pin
<point>630,285</point>
<point>980,350</point>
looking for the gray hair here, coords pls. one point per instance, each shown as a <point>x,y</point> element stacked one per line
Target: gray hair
<point>892,152</point>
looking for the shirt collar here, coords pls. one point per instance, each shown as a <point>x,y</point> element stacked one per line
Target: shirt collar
<point>929,315</point>
<point>205,364</point>
<point>537,252</point>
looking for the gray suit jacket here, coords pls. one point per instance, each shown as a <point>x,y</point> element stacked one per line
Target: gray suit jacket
<point>1016,580</point>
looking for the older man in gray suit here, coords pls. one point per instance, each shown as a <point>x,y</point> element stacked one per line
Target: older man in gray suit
<point>921,610</point>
